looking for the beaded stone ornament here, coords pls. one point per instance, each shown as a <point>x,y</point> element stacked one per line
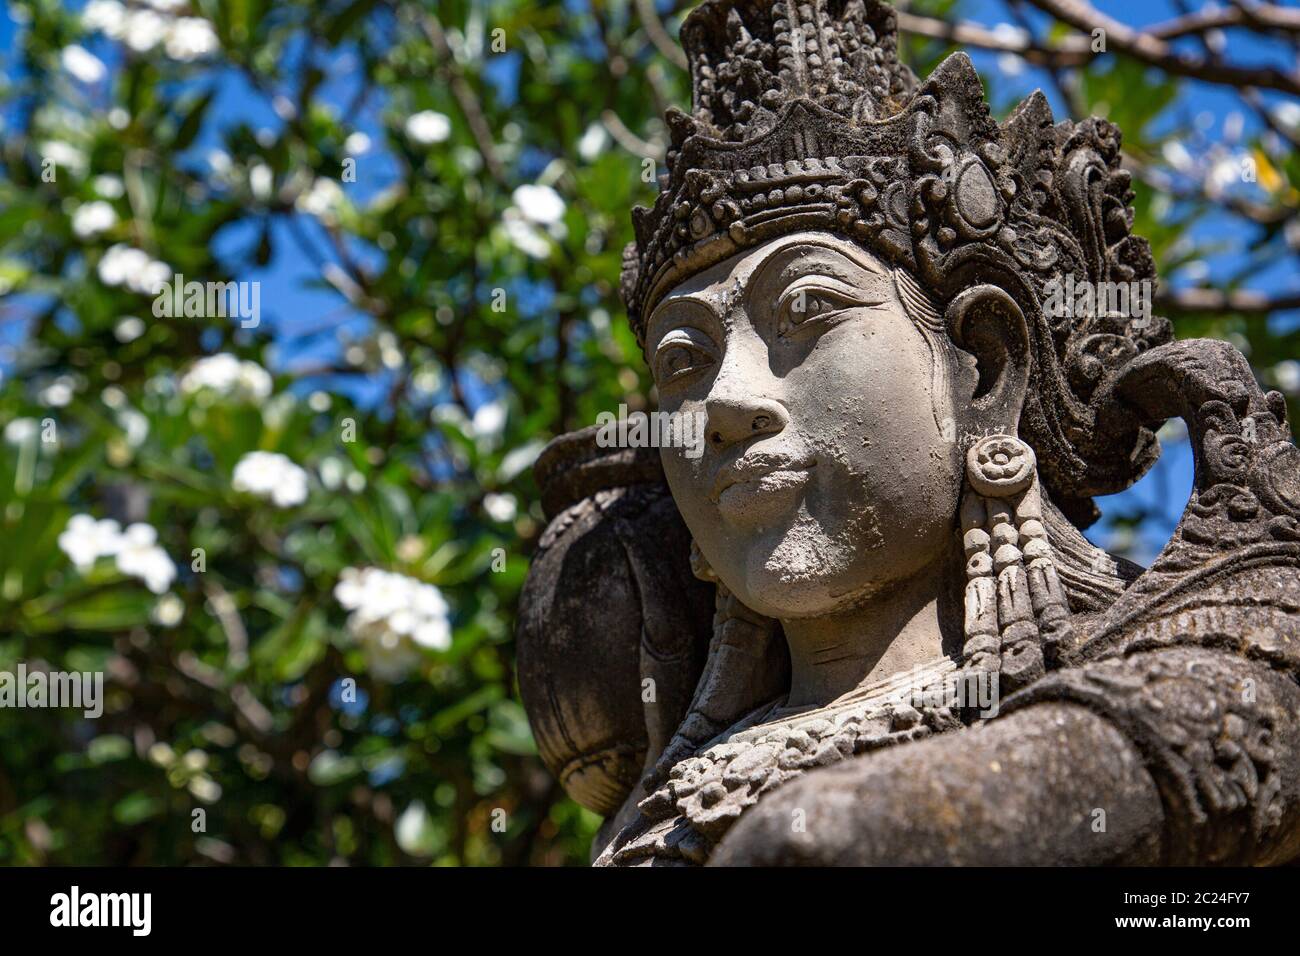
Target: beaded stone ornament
<point>1016,610</point>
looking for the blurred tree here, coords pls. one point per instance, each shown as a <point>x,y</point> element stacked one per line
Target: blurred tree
<point>294,546</point>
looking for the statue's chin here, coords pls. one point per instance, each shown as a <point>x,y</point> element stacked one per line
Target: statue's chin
<point>801,576</point>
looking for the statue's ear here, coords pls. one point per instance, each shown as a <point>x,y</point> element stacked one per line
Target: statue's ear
<point>988,323</point>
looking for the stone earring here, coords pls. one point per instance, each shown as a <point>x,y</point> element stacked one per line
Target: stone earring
<point>1016,611</point>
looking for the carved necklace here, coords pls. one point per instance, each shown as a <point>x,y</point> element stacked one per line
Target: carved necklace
<point>705,794</point>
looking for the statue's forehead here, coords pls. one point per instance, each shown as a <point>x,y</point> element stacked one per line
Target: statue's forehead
<point>719,284</point>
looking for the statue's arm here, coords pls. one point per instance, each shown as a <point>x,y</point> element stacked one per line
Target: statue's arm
<point>1181,755</point>
<point>1021,791</point>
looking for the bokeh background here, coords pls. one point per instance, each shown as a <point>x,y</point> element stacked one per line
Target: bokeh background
<point>433,198</point>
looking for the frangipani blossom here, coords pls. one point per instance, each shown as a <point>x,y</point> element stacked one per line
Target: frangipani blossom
<point>392,615</point>
<point>272,476</point>
<point>427,127</point>
<point>135,550</point>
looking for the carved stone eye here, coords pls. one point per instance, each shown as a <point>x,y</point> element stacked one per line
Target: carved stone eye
<point>811,304</point>
<point>675,359</point>
<point>804,305</point>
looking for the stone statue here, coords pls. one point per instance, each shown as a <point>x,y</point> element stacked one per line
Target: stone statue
<point>861,625</point>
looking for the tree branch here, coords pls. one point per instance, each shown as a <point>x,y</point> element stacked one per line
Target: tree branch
<point>464,95</point>
<point>1154,51</point>
<point>654,29</point>
<point>1198,301</point>
<point>1261,16</point>
<point>1073,51</point>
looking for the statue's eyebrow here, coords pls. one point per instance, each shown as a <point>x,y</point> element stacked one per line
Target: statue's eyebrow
<point>793,260</point>
<point>655,327</point>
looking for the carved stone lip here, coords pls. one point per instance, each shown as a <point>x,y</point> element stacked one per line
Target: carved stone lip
<point>755,467</point>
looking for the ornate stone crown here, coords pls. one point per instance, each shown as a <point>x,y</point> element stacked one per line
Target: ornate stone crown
<point>804,118</point>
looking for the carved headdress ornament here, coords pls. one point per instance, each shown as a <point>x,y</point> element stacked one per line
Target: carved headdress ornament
<point>804,118</point>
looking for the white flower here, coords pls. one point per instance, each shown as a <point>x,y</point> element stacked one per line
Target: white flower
<point>85,540</point>
<point>271,476</point>
<point>356,144</point>
<point>63,155</point>
<point>1226,171</point>
<point>389,657</point>
<point>412,829</point>
<point>537,210</point>
<point>1288,114</point>
<point>219,372</point>
<point>331,472</point>
<point>92,218</point>
<point>156,275</point>
<point>260,180</point>
<point>119,263</point>
<point>220,161</point>
<point>20,431</point>
<point>58,394</point>
<point>489,419</point>
<point>1177,156</point>
<point>321,200</point>
<point>593,142</point>
<point>144,30</point>
<point>168,611</point>
<point>391,615</point>
<point>1287,374</point>
<point>228,376</point>
<point>82,64</point>
<point>128,329</point>
<point>128,266</point>
<point>524,235</point>
<point>254,380</point>
<point>135,425</point>
<point>190,38</point>
<point>428,379</point>
<point>500,507</point>
<point>140,557</point>
<point>428,127</point>
<point>539,204</point>
<point>109,186</point>
<point>105,16</point>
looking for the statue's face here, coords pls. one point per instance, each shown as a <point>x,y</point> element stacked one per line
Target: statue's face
<point>825,475</point>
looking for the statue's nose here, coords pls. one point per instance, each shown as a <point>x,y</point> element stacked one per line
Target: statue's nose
<point>734,419</point>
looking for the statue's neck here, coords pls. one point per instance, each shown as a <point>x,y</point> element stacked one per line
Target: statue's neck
<point>887,634</point>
